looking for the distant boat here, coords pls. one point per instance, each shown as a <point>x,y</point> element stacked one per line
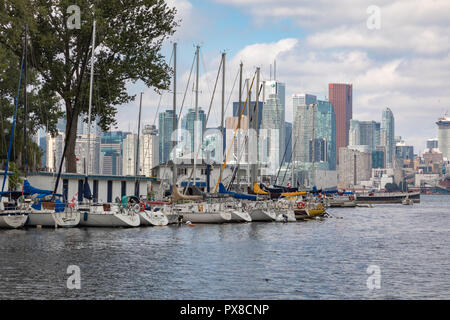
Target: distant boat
<point>387,197</point>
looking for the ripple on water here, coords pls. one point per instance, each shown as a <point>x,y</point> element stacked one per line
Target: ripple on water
<point>307,260</point>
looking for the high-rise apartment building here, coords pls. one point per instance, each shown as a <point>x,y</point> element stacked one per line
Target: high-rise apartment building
<point>316,122</point>
<point>165,135</point>
<point>364,133</point>
<point>288,142</point>
<point>81,152</point>
<point>341,97</point>
<point>388,135</point>
<point>148,152</point>
<point>188,124</point>
<point>444,136</point>
<point>129,155</point>
<point>273,132</point>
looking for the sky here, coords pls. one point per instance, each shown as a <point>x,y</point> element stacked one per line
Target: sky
<point>395,54</point>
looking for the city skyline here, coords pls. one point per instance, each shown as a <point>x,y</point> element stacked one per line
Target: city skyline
<point>312,52</point>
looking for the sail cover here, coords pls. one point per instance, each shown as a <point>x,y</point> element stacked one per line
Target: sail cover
<point>236,195</point>
<point>86,189</point>
<point>29,189</point>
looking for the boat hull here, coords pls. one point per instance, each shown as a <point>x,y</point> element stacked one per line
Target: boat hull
<point>388,198</point>
<point>240,216</point>
<point>109,220</point>
<point>149,218</point>
<point>207,217</point>
<point>262,215</point>
<point>12,220</point>
<point>65,219</point>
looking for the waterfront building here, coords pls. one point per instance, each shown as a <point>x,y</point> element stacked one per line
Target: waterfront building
<point>165,135</point>
<point>354,167</point>
<point>388,135</point>
<point>341,97</point>
<point>443,124</point>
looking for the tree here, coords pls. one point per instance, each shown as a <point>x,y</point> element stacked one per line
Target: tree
<point>128,44</point>
<point>43,109</point>
<point>14,180</point>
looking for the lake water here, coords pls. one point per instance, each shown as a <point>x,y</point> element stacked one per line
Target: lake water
<point>325,259</point>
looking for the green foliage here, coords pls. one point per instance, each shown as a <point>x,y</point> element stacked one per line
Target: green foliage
<point>15,179</point>
<point>128,42</point>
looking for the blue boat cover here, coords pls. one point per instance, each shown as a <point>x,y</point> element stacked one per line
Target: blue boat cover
<point>29,189</point>
<point>236,195</point>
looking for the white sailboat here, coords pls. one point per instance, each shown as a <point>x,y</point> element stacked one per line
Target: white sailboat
<point>107,214</point>
<point>11,217</point>
<point>48,212</point>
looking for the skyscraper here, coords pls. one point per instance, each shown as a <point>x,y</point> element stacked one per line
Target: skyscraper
<point>388,135</point>
<point>288,142</point>
<point>236,110</point>
<point>444,136</point>
<point>148,152</point>
<point>188,123</point>
<point>274,87</point>
<point>165,135</point>
<point>111,152</point>
<point>364,133</point>
<point>129,155</point>
<point>326,129</point>
<point>320,117</point>
<point>341,96</point>
<point>273,124</point>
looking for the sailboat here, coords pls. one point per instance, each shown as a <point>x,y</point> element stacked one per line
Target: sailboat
<point>106,214</point>
<point>47,209</point>
<point>12,215</point>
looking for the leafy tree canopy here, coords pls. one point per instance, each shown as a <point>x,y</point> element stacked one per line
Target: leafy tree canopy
<point>129,37</point>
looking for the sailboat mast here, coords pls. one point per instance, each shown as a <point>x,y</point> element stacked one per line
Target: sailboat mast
<point>90,102</point>
<point>255,115</point>
<point>175,122</point>
<point>223,96</point>
<point>196,111</point>
<point>25,104</point>
<point>136,171</point>
<point>239,118</point>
